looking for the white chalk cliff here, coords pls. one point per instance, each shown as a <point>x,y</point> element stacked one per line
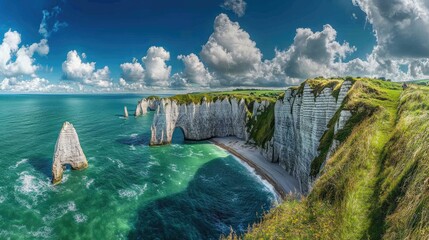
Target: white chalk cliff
<point>67,152</point>
<point>145,104</point>
<point>301,119</point>
<point>200,121</point>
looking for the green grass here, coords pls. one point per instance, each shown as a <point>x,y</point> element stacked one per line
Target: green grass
<point>422,82</point>
<point>319,84</point>
<point>376,185</point>
<point>248,95</point>
<point>262,126</point>
<point>154,97</point>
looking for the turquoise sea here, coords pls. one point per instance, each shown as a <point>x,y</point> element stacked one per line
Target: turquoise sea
<point>130,190</point>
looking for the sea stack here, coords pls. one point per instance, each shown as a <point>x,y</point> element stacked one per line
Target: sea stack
<point>67,151</point>
<point>125,111</point>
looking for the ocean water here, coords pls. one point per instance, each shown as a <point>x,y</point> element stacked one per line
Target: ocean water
<point>130,190</point>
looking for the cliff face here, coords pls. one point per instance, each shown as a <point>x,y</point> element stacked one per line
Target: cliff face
<point>145,104</point>
<point>301,119</point>
<point>288,132</point>
<point>221,118</point>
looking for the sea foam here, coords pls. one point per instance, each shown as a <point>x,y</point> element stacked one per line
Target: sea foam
<point>24,160</point>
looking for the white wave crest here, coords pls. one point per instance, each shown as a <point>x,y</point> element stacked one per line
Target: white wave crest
<point>118,162</point>
<point>31,187</point>
<point>88,184</point>
<point>24,160</point>
<point>43,232</point>
<point>80,218</point>
<point>134,192</point>
<point>59,210</point>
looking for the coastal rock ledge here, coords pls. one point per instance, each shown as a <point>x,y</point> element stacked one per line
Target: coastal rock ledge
<point>67,152</point>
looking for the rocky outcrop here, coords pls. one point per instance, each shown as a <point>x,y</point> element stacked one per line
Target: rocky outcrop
<point>200,121</point>
<point>145,104</point>
<point>67,152</point>
<point>125,112</point>
<point>301,119</point>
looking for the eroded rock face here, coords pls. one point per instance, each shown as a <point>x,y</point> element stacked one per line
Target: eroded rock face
<point>300,121</point>
<point>67,152</point>
<point>145,104</point>
<point>199,121</point>
<point>125,112</point>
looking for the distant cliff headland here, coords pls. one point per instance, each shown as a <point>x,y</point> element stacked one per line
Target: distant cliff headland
<point>357,146</point>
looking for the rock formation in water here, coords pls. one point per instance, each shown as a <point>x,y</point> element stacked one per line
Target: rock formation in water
<point>200,121</point>
<point>143,105</point>
<point>125,111</point>
<point>67,152</point>
<point>301,119</point>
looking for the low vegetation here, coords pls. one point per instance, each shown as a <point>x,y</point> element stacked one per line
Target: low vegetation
<point>248,95</point>
<point>376,185</point>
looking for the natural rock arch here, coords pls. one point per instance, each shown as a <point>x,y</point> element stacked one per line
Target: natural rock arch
<point>226,117</point>
<point>67,152</point>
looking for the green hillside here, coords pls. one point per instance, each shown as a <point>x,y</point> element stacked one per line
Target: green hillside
<point>422,82</point>
<point>376,185</point>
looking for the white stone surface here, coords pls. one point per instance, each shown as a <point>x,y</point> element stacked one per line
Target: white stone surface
<point>125,112</point>
<point>199,121</point>
<point>67,151</point>
<point>300,121</point>
<point>145,104</point>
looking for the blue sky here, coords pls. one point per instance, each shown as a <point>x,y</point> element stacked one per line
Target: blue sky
<point>113,32</point>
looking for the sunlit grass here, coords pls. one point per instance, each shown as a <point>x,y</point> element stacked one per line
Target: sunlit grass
<point>376,185</point>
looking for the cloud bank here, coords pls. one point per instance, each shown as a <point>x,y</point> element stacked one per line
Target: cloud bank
<point>230,57</point>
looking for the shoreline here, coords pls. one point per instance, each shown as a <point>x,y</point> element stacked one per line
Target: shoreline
<point>282,183</point>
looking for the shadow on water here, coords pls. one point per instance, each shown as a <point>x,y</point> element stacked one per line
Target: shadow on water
<point>140,139</point>
<point>207,208</point>
<point>41,164</point>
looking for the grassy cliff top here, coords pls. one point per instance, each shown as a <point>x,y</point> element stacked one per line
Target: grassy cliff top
<point>153,97</point>
<point>248,95</point>
<point>376,184</point>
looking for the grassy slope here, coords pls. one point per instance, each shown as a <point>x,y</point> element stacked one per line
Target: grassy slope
<point>423,82</point>
<point>376,184</point>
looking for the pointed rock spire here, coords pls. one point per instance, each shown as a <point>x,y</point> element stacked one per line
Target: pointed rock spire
<point>125,111</point>
<point>67,151</point>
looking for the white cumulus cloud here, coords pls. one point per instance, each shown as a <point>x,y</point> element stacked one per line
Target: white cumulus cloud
<point>154,72</point>
<point>19,60</point>
<point>132,72</point>
<point>230,52</point>
<point>76,70</point>
<point>157,71</point>
<point>312,54</point>
<point>401,30</point>
<point>194,72</point>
